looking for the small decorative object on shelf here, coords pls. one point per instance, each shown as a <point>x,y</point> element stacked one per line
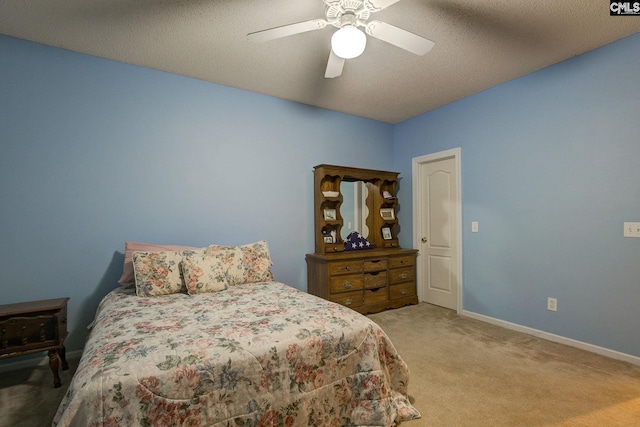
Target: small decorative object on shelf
<point>387,214</point>
<point>386,233</point>
<point>329,214</point>
<point>330,193</point>
<point>355,242</point>
<point>350,206</point>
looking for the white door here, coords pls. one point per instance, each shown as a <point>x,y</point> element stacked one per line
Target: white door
<point>438,231</point>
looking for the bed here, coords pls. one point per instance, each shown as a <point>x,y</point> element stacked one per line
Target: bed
<point>252,354</point>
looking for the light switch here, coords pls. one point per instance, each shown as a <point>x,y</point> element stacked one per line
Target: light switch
<point>474,226</point>
<point>631,229</point>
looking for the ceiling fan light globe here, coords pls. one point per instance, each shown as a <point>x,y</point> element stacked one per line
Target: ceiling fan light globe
<point>348,42</point>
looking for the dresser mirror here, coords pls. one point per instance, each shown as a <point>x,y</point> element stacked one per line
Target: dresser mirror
<point>354,210</point>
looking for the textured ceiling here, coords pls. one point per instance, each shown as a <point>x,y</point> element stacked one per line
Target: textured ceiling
<point>479,44</point>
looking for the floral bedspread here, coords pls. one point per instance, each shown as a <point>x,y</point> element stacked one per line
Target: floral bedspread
<point>261,354</point>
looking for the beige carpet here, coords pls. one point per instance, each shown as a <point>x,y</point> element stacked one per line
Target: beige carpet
<point>463,373</point>
<point>469,373</point>
<point>27,395</point>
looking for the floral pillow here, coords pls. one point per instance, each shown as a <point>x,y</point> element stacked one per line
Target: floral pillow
<point>249,263</point>
<point>131,247</point>
<point>203,273</point>
<point>158,273</point>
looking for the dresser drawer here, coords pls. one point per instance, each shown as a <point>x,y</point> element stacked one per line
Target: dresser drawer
<point>334,247</point>
<point>402,290</point>
<point>342,267</point>
<point>375,280</point>
<point>372,296</point>
<point>375,265</point>
<point>348,299</point>
<point>402,275</point>
<point>402,261</point>
<point>345,283</point>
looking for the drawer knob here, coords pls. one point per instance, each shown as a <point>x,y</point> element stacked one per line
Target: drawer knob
<point>348,301</point>
<point>348,285</point>
<point>347,268</point>
<point>403,292</point>
<point>403,275</point>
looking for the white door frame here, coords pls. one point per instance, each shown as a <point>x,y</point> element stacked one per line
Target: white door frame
<point>456,154</point>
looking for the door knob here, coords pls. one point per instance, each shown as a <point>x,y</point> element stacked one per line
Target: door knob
<point>424,240</point>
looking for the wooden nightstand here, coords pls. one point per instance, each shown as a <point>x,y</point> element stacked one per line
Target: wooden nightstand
<point>35,326</point>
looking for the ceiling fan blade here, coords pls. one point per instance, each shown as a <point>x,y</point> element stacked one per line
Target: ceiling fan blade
<point>334,66</point>
<point>378,5</point>
<point>286,30</point>
<point>399,37</point>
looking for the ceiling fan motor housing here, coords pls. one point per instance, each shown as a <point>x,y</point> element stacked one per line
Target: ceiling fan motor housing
<point>347,12</point>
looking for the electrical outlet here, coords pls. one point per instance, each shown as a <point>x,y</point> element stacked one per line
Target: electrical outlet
<point>552,304</point>
<point>474,226</point>
<point>631,229</point>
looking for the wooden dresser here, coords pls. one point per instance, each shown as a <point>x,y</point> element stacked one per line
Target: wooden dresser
<point>366,280</point>
<point>35,326</point>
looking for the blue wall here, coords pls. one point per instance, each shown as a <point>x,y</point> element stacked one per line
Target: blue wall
<point>550,170</point>
<point>95,152</point>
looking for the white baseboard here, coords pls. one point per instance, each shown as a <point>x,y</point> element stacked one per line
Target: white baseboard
<point>36,361</point>
<point>555,338</point>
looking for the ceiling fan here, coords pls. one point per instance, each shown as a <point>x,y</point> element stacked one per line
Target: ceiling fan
<point>349,41</point>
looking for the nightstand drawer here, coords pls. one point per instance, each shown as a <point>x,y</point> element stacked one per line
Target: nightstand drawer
<point>345,283</point>
<point>26,333</point>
